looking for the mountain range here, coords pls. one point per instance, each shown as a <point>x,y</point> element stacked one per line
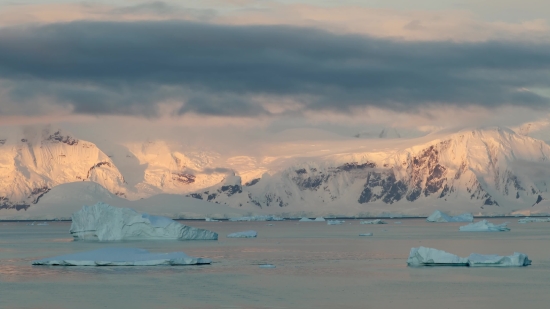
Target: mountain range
<point>486,171</point>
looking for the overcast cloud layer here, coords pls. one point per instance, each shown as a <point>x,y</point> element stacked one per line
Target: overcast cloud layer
<point>129,68</point>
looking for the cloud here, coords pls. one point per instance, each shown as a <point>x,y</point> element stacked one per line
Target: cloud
<point>131,68</point>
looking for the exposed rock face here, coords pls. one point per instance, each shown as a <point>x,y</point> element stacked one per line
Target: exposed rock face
<point>121,257</point>
<point>104,222</point>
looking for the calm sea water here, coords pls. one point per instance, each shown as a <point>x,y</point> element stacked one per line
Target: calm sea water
<point>317,266</point>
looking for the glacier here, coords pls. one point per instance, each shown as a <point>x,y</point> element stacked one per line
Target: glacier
<point>121,257</point>
<point>484,226</point>
<point>104,222</point>
<point>423,256</point>
<point>245,234</point>
<point>438,216</point>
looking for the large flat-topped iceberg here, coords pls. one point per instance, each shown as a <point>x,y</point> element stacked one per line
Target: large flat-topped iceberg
<point>530,220</point>
<point>122,257</point>
<point>484,226</point>
<point>423,256</point>
<point>438,216</point>
<point>493,260</point>
<point>245,234</point>
<point>104,222</point>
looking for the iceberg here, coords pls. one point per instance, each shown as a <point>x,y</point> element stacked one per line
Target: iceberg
<point>438,216</point>
<point>366,234</point>
<point>121,257</point>
<point>104,222</point>
<point>377,221</point>
<point>211,220</point>
<point>423,256</point>
<point>530,220</point>
<point>484,226</point>
<point>335,222</point>
<point>245,234</point>
<point>304,219</point>
<point>258,218</point>
<point>267,266</point>
<point>319,219</point>
<point>493,260</point>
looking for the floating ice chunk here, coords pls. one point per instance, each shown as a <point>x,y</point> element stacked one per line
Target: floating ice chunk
<point>397,222</point>
<point>211,220</point>
<point>304,219</point>
<point>516,259</point>
<point>267,266</point>
<point>258,218</point>
<point>43,223</point>
<point>423,256</point>
<point>484,226</point>
<point>335,222</point>
<point>438,216</point>
<point>366,234</point>
<point>377,221</point>
<point>245,234</point>
<point>530,220</point>
<point>319,219</point>
<point>122,257</point>
<point>104,222</point>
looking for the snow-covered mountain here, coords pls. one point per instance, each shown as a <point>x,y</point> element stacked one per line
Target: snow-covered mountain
<point>488,171</point>
<point>491,171</point>
<point>34,161</point>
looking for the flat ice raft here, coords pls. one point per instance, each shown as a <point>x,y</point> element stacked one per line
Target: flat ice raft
<point>484,226</point>
<point>423,256</point>
<point>104,222</point>
<point>122,257</point>
<point>245,234</point>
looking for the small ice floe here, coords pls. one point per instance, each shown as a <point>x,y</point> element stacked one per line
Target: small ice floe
<point>304,219</point>
<point>531,220</point>
<point>319,219</point>
<point>245,234</point>
<point>438,216</point>
<point>270,224</point>
<point>423,256</point>
<point>258,218</point>
<point>377,221</point>
<point>484,226</point>
<point>267,266</point>
<point>397,222</point>
<point>366,234</point>
<point>122,257</point>
<point>335,222</point>
<point>211,220</point>
<point>43,223</point>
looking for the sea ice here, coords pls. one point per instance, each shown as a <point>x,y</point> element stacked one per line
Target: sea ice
<point>484,226</point>
<point>267,266</point>
<point>211,220</point>
<point>530,220</point>
<point>245,234</point>
<point>438,216</point>
<point>104,222</point>
<point>423,256</point>
<point>335,222</point>
<point>121,257</point>
<point>377,221</point>
<point>516,259</point>
<point>366,234</point>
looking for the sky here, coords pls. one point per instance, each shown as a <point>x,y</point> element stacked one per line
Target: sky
<point>101,68</point>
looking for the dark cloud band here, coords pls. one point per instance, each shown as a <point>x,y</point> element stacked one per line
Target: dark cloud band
<point>117,68</point>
